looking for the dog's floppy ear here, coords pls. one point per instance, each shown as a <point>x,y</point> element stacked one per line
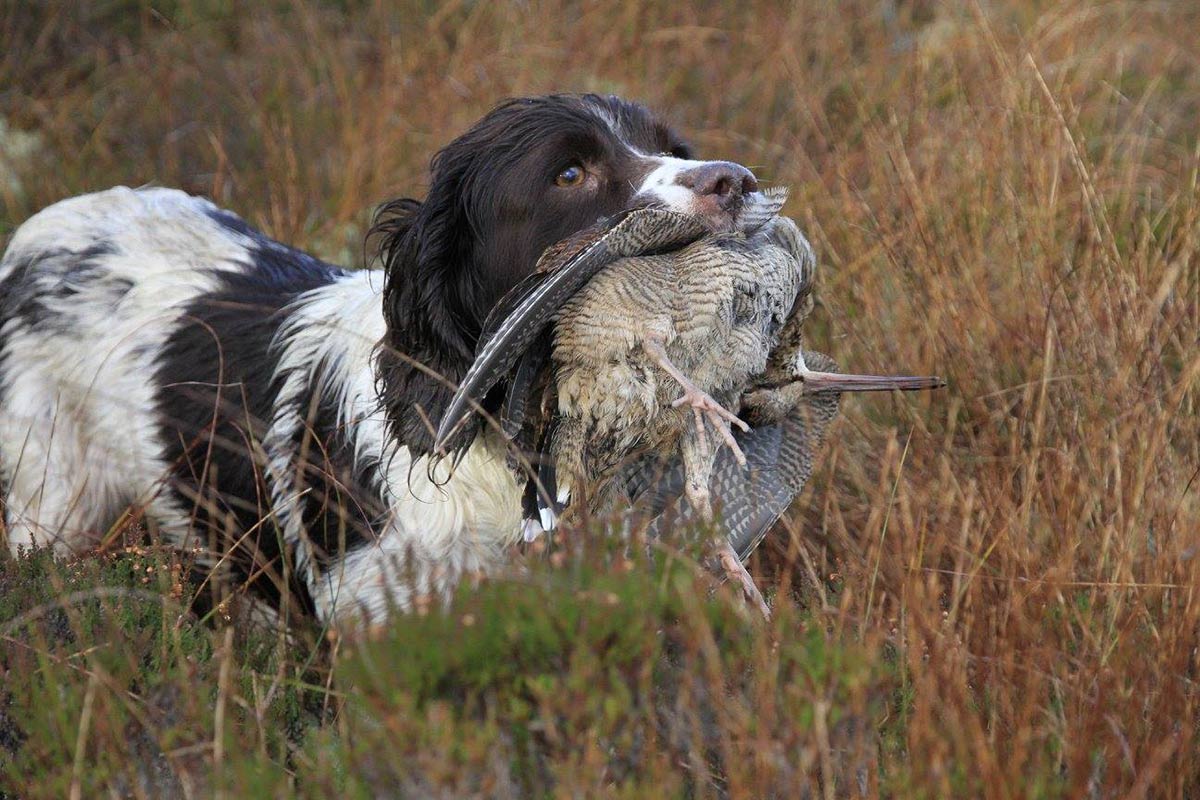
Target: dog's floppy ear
<point>430,305</point>
<point>391,222</point>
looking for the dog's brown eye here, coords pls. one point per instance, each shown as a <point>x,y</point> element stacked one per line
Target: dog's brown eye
<point>571,176</point>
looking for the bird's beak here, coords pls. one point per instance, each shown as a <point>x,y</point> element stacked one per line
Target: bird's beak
<point>816,382</point>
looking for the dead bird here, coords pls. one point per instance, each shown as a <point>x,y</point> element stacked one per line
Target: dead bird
<point>645,306</point>
<point>640,307</point>
<point>702,318</point>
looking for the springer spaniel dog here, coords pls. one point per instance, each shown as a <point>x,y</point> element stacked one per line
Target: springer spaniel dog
<point>278,412</point>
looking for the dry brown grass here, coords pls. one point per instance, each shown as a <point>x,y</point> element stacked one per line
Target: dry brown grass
<point>1005,194</point>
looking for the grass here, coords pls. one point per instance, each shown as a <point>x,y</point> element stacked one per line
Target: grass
<point>986,592</point>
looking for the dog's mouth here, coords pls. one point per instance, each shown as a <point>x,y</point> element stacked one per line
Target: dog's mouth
<point>744,213</point>
<point>740,212</point>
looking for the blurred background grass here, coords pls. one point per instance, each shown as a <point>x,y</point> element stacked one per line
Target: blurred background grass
<point>987,591</point>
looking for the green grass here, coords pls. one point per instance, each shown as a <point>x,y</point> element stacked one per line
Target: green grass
<point>591,673</point>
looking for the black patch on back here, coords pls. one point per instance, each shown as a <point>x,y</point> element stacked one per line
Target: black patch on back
<point>232,222</point>
<point>59,274</point>
<point>218,391</point>
<point>12,301</point>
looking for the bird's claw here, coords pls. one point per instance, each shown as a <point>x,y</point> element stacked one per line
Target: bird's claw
<point>721,418</point>
<point>736,571</point>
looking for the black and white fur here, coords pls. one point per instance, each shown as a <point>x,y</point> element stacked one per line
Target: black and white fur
<point>278,411</point>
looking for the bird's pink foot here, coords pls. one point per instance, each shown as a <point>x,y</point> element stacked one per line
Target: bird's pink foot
<point>703,405</point>
<point>722,419</point>
<point>736,571</point>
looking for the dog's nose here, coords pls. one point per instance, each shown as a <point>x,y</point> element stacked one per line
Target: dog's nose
<point>729,182</point>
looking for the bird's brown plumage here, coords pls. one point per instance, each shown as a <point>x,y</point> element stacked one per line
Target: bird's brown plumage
<point>598,344</point>
<point>714,309</point>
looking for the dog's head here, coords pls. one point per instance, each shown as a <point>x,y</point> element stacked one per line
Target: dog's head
<point>529,174</point>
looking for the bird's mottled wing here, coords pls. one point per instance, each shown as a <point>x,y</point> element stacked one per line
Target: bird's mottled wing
<point>525,312</point>
<point>750,499</point>
<point>529,372</point>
